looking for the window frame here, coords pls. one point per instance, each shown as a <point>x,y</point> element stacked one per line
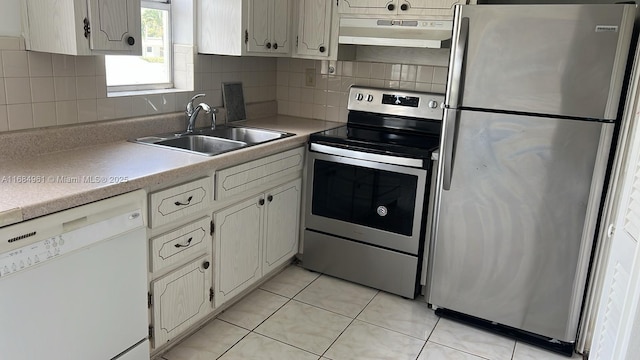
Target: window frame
<point>158,5</point>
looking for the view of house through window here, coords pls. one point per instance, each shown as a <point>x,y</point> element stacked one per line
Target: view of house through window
<point>152,70</point>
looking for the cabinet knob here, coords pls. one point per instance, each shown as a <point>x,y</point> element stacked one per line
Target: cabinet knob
<point>131,40</point>
<point>404,7</point>
<point>269,198</point>
<point>268,45</point>
<point>205,265</point>
<point>275,46</point>
<point>391,7</point>
<point>322,49</point>
<point>261,202</point>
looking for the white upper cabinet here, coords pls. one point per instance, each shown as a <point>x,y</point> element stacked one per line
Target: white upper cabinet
<point>268,26</point>
<point>434,9</point>
<point>316,24</point>
<point>244,27</point>
<point>83,27</point>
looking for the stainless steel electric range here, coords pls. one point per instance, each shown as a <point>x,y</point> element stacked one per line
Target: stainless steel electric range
<point>367,190</point>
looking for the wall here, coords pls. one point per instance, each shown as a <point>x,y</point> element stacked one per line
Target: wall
<point>10,20</point>
<point>41,89</point>
<point>327,99</point>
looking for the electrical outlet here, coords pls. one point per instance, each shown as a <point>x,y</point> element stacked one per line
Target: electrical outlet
<point>310,77</point>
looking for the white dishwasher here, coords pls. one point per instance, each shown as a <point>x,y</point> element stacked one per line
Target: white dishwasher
<point>73,285</point>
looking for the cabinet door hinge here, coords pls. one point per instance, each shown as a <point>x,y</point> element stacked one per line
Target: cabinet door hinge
<point>149,300</point>
<point>246,36</point>
<point>210,294</point>
<point>212,229</point>
<point>150,331</point>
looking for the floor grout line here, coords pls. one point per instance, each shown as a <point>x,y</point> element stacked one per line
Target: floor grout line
<point>351,322</point>
<point>289,299</point>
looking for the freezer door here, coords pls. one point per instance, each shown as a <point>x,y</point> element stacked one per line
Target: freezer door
<point>565,60</point>
<point>509,241</point>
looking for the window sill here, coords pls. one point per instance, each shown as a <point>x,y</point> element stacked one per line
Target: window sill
<point>115,94</point>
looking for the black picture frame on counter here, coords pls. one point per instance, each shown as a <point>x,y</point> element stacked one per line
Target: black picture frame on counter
<point>233,98</point>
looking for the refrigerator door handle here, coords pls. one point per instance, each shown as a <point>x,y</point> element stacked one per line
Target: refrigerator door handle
<point>456,65</point>
<point>448,145</point>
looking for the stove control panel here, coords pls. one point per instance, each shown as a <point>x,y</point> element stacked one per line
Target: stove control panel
<point>396,102</point>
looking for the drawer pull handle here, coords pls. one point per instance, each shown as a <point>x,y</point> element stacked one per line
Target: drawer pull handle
<point>184,245</point>
<point>178,203</point>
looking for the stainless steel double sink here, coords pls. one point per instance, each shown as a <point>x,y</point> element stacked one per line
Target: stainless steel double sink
<point>216,141</point>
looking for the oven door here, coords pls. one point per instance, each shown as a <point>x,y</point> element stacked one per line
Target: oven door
<point>364,200</point>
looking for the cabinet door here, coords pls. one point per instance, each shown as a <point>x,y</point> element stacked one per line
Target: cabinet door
<point>115,25</point>
<point>180,299</point>
<point>368,7</point>
<point>314,27</point>
<point>280,36</point>
<point>438,9</point>
<point>238,247</point>
<point>282,224</point>
<point>258,25</point>
<point>433,8</point>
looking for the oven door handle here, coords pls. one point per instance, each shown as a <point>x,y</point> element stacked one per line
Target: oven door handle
<point>360,155</point>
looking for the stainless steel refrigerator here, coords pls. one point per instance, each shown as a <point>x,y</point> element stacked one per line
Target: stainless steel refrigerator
<point>532,99</point>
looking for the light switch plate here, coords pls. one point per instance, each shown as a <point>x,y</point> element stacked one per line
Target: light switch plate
<point>310,77</point>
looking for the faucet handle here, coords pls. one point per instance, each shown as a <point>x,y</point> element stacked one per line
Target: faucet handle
<point>205,107</point>
<point>190,103</point>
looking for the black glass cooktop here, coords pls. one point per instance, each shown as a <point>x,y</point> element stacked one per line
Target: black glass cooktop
<point>382,141</point>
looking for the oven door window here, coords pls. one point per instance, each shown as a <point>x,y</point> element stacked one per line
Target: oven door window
<point>374,198</point>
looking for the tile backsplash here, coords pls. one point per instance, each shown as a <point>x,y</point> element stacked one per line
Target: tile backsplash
<point>41,89</point>
<point>327,98</point>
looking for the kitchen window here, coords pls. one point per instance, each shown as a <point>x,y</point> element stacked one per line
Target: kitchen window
<point>153,69</point>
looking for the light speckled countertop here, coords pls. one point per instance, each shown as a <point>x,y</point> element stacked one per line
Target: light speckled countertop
<point>42,184</point>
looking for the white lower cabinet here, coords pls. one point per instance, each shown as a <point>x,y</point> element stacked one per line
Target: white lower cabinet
<point>253,232</point>
<point>180,259</point>
<point>282,218</point>
<point>180,299</point>
<point>254,237</point>
<point>238,247</point>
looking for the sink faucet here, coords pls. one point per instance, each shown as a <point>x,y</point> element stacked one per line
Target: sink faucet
<point>192,113</point>
<point>214,111</point>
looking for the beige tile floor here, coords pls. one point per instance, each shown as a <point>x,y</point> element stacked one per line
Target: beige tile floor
<point>303,315</point>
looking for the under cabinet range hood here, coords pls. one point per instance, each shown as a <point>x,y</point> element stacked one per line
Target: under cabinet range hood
<point>396,32</point>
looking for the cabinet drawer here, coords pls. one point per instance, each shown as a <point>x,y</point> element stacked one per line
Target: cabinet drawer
<point>176,246</point>
<point>173,203</point>
<point>240,178</point>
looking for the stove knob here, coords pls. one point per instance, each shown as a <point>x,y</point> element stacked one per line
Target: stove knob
<point>369,98</point>
<point>359,97</point>
<point>433,104</point>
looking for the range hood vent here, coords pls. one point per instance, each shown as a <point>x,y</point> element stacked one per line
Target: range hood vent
<point>398,33</point>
